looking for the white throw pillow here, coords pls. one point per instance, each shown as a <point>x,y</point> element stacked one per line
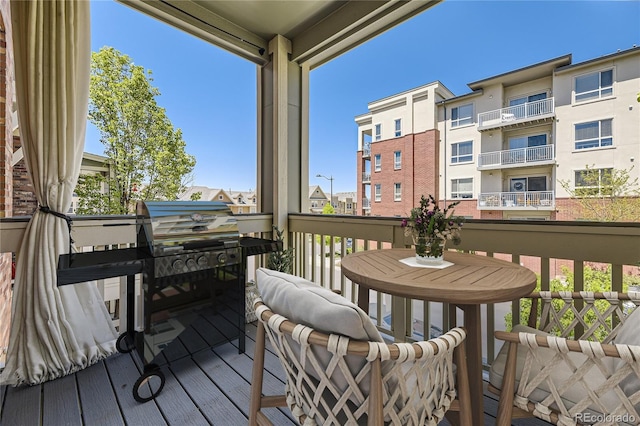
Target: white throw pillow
<point>305,302</point>
<point>628,334</point>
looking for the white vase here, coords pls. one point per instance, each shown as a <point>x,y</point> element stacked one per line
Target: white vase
<point>429,260</point>
<point>428,244</point>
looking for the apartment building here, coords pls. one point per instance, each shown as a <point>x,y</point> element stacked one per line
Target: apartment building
<point>399,150</point>
<point>503,148</point>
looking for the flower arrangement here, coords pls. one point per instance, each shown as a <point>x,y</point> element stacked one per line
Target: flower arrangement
<point>431,227</point>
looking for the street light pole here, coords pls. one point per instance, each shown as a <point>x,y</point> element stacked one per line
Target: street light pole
<point>330,179</point>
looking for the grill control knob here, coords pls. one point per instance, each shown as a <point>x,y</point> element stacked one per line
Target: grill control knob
<point>203,261</point>
<point>222,257</point>
<point>178,265</point>
<point>191,264</point>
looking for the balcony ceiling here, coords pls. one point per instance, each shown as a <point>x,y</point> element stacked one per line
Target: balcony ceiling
<point>319,30</point>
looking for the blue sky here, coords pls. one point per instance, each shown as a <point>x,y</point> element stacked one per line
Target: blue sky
<point>211,94</point>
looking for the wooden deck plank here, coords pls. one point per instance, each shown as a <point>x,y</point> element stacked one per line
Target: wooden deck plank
<point>123,372</point>
<point>232,383</point>
<point>99,403</point>
<point>211,400</point>
<point>22,406</point>
<point>192,340</point>
<point>60,402</point>
<point>176,405</point>
<point>210,334</point>
<point>209,387</point>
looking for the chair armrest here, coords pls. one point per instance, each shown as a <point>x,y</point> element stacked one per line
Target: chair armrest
<point>544,341</point>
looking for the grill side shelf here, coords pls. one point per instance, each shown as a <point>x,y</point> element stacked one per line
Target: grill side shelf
<point>80,267</point>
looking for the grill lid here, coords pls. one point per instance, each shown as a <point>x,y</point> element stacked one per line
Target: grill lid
<point>168,227</point>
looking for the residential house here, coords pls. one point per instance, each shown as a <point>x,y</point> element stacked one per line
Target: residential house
<point>317,199</point>
<point>345,203</point>
<point>238,201</point>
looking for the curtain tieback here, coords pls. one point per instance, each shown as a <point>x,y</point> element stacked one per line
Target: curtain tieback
<point>46,209</point>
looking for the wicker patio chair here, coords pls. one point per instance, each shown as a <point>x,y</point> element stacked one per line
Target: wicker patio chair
<point>399,384</point>
<point>578,363</point>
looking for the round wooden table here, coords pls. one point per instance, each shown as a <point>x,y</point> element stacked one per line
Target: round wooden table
<point>471,281</point>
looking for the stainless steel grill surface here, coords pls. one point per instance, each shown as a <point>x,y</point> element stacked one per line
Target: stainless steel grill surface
<point>188,236</point>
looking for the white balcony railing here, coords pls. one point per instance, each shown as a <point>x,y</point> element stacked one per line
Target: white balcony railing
<point>534,155</point>
<point>321,262</point>
<point>525,200</point>
<point>366,177</point>
<point>366,152</point>
<point>366,204</point>
<point>516,114</point>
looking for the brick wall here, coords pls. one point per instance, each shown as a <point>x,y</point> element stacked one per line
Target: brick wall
<point>6,175</point>
<point>418,174</point>
<point>24,198</point>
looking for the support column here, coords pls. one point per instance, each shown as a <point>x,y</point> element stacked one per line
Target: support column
<point>283,134</point>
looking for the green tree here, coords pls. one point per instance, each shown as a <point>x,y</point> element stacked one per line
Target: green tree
<point>596,279</point>
<point>328,209</point>
<point>196,196</point>
<point>147,154</point>
<point>606,195</point>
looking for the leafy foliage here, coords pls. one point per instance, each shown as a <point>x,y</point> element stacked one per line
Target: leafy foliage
<point>282,260</point>
<point>147,154</point>
<point>606,195</point>
<point>328,209</point>
<point>430,226</point>
<point>596,279</point>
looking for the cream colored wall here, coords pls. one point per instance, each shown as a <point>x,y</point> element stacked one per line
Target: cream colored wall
<point>416,109</point>
<point>528,88</point>
<point>622,107</point>
<point>449,136</point>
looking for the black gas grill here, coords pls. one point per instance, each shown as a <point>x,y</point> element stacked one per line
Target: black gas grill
<point>193,265</point>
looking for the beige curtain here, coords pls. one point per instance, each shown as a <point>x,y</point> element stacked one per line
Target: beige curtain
<point>55,331</point>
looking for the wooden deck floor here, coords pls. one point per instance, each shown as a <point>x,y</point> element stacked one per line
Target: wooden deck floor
<point>210,387</point>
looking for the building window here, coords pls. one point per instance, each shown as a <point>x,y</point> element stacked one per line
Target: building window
<point>377,192</point>
<point>239,210</point>
<point>398,127</point>
<point>462,152</point>
<point>594,86</point>
<point>397,160</point>
<point>378,134</point>
<point>349,206</point>
<point>531,183</point>
<point>462,188</point>
<point>219,197</point>
<point>462,115</point>
<point>595,134</point>
<point>590,182</point>
<point>397,191</point>
<point>377,162</point>
<point>528,106</point>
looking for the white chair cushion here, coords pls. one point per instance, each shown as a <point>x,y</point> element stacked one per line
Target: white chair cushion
<point>628,334</point>
<point>560,374</point>
<point>305,302</point>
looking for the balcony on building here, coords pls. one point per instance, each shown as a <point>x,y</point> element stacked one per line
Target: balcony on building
<point>527,113</point>
<point>520,157</point>
<point>366,177</point>
<point>366,204</point>
<point>517,200</point>
<point>366,151</point>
